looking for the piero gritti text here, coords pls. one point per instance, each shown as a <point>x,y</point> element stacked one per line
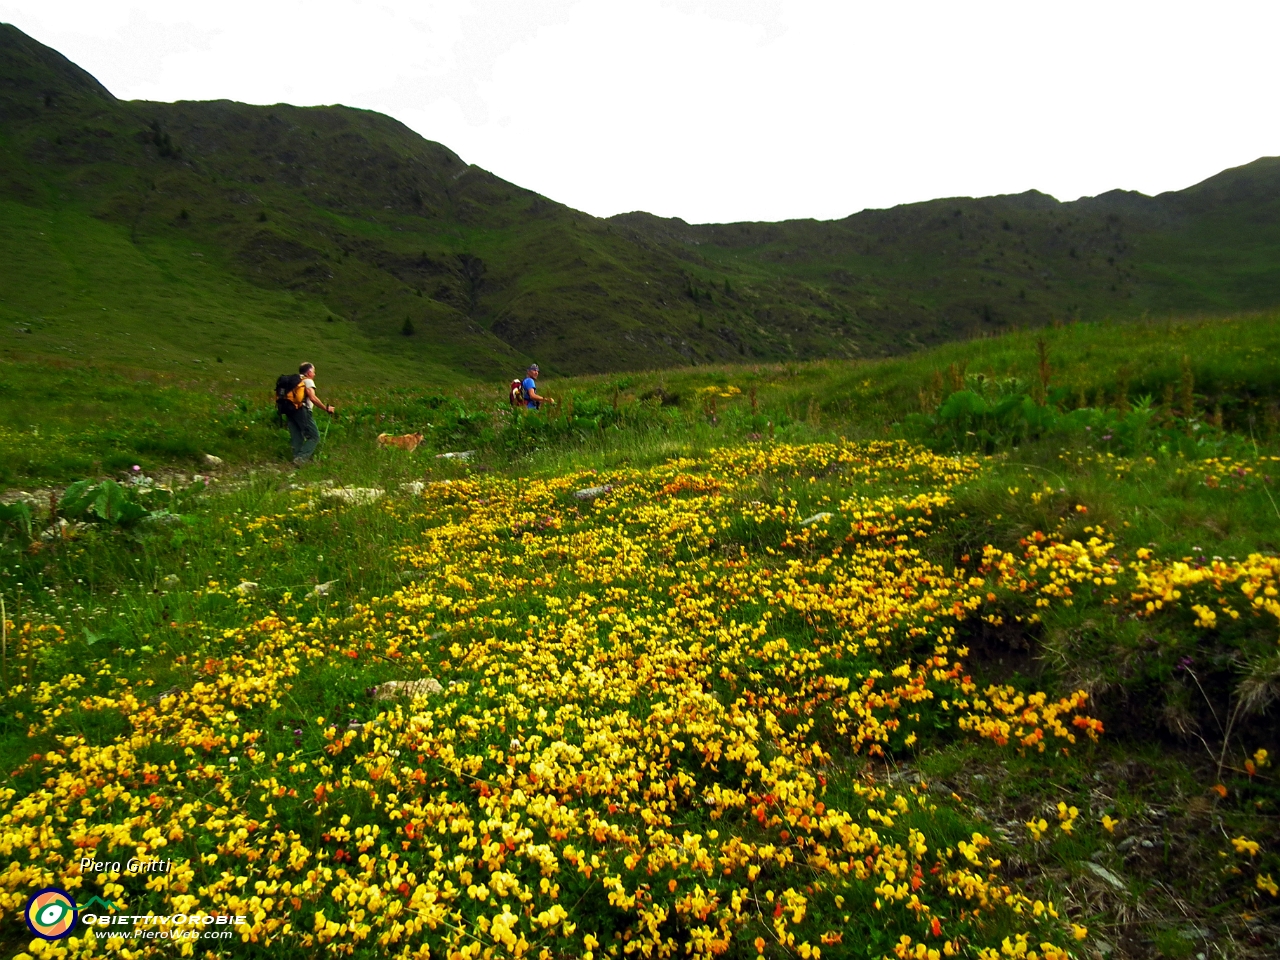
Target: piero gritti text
<point>135,865</point>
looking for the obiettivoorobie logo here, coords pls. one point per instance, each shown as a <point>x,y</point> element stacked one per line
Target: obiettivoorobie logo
<point>51,913</point>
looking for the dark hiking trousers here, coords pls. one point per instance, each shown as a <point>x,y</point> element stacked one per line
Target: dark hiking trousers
<point>303,435</point>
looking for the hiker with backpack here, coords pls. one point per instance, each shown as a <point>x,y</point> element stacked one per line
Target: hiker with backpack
<point>295,397</point>
<point>524,393</point>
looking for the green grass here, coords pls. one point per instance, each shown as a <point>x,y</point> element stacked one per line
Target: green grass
<point>60,420</point>
<point>164,306</point>
<point>1230,361</point>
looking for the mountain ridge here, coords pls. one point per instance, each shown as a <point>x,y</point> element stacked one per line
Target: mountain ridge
<point>411,257</point>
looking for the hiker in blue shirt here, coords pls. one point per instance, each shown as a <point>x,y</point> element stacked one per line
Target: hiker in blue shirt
<point>531,399</point>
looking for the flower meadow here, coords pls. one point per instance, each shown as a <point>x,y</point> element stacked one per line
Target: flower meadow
<point>657,712</point>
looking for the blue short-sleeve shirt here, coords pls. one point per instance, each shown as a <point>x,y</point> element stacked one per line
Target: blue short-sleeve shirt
<point>529,387</point>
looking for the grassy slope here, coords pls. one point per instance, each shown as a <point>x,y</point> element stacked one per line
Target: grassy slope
<point>53,420</point>
<point>353,215</point>
<point>965,265</point>
<point>1230,360</point>
<point>165,306</point>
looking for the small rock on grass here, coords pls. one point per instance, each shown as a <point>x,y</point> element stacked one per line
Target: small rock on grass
<point>321,589</point>
<point>816,518</point>
<point>590,493</point>
<point>354,495</point>
<point>1102,873</point>
<point>397,689</point>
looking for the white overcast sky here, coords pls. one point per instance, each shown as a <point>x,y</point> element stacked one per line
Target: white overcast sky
<point>722,110</point>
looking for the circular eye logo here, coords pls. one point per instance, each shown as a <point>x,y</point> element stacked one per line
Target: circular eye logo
<point>51,913</point>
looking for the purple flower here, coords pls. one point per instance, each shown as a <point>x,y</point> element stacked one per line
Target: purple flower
<point>136,468</point>
<point>1107,437</point>
<point>1184,663</point>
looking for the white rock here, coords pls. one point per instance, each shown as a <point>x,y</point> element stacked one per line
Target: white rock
<point>816,518</point>
<point>354,495</point>
<point>590,493</point>
<point>246,587</point>
<point>212,461</point>
<point>413,487</point>
<point>321,589</point>
<point>456,455</point>
<point>395,689</point>
<point>1102,873</point>
<point>171,580</point>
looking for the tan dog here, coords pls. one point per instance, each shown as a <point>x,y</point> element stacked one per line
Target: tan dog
<point>408,443</point>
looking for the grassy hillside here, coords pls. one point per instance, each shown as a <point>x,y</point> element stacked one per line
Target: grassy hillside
<point>159,235</point>
<point>69,420</point>
<point>311,216</point>
<point>962,266</point>
<point>77,288</point>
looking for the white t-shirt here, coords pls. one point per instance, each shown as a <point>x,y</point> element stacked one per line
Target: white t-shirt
<point>307,381</point>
